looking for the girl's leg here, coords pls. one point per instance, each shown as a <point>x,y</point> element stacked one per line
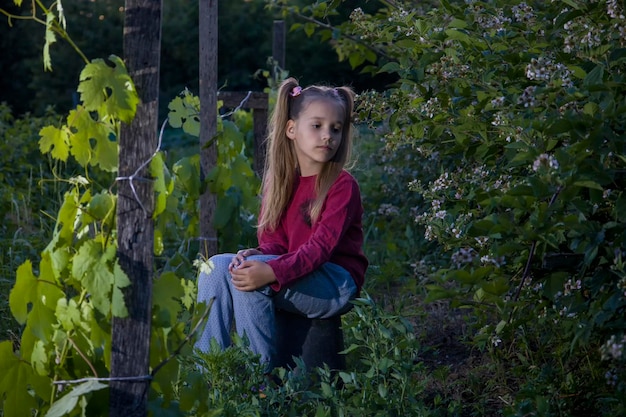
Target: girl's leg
<point>215,284</point>
<point>322,294</point>
<point>252,311</point>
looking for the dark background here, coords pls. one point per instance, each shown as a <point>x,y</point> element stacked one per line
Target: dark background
<point>245,44</point>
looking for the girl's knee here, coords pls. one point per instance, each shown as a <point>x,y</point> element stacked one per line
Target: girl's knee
<point>216,263</point>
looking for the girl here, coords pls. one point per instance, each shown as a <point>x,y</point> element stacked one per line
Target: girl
<point>309,260</point>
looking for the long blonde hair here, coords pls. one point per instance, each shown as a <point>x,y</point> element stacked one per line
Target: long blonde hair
<point>281,163</point>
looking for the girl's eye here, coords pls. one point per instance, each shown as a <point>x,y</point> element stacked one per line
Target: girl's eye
<point>336,129</point>
<point>316,126</point>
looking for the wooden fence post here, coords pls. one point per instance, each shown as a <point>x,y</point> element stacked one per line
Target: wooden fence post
<point>208,33</point>
<point>130,350</point>
<point>278,42</point>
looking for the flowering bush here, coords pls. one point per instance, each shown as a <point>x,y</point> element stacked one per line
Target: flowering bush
<point>507,123</point>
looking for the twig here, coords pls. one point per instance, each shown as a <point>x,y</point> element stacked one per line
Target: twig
<point>135,174</point>
<point>84,357</point>
<point>184,342</point>
<point>354,39</point>
<point>140,378</point>
<point>531,254</point>
<point>243,103</point>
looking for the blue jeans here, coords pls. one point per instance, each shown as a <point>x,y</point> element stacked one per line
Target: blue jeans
<point>324,293</point>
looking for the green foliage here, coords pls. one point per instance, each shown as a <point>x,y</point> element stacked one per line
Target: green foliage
<point>232,180</point>
<point>66,300</point>
<point>384,378</point>
<point>507,125</point>
<point>62,300</point>
<point>24,230</point>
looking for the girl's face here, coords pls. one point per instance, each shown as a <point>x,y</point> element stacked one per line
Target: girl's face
<point>316,134</point>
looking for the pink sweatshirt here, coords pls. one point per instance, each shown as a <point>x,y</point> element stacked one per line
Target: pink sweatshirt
<point>336,237</point>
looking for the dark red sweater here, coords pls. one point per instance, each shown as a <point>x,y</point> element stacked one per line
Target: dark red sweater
<point>336,237</point>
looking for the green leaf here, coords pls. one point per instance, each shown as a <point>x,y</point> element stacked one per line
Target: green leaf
<point>93,266</point>
<point>595,76</point>
<point>436,292</point>
<point>574,4</point>
<point>55,141</point>
<point>34,300</point>
<point>120,280</point>
<point>226,208</point>
<point>39,358</point>
<point>166,294</point>
<point>67,403</point>
<point>185,112</point>
<point>309,29</point>
<point>356,59</point>
<point>23,292</point>
<point>15,378</point>
<point>390,67</point>
<point>50,38</point>
<point>108,89</point>
<point>68,314</point>
<point>460,36</point>
<point>158,172</point>
<point>91,140</point>
<point>589,184</point>
<point>187,171</point>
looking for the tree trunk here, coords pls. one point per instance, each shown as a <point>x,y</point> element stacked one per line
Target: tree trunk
<point>137,143</point>
<point>208,121</point>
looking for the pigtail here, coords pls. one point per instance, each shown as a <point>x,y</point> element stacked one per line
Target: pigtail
<point>333,168</point>
<point>280,162</point>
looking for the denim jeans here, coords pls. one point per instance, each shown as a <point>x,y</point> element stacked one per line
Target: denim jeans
<point>324,293</point>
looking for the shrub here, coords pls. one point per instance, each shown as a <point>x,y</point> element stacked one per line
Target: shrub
<point>510,116</point>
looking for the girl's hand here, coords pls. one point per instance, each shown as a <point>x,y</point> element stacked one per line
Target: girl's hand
<point>241,256</point>
<point>252,275</point>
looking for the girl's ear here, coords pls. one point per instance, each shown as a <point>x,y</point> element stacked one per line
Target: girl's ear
<point>291,129</point>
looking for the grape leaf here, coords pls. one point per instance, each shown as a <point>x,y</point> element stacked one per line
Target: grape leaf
<point>84,128</point>
<point>68,314</point>
<point>66,217</point>
<point>187,171</point>
<point>166,294</point>
<point>67,403</point>
<point>39,358</point>
<point>14,383</point>
<point>50,38</point>
<point>23,291</point>
<point>106,152</point>
<point>185,112</point>
<point>93,267</point>
<point>34,300</point>
<point>121,280</point>
<point>55,141</point>
<point>189,297</point>
<point>108,89</point>
<point>157,171</point>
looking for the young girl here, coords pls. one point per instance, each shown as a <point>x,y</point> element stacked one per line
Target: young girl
<point>309,260</point>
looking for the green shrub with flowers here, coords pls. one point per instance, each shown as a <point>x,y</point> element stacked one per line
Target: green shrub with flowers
<point>507,127</point>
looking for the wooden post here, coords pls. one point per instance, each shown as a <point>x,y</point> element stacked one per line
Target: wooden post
<point>130,351</point>
<point>208,121</point>
<point>278,42</point>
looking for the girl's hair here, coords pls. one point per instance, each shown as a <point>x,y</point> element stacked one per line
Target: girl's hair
<point>281,163</point>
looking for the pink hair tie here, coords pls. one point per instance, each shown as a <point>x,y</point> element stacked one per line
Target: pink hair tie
<point>296,91</point>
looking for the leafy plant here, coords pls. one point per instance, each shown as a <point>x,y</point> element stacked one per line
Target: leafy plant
<point>67,299</point>
<point>509,116</point>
